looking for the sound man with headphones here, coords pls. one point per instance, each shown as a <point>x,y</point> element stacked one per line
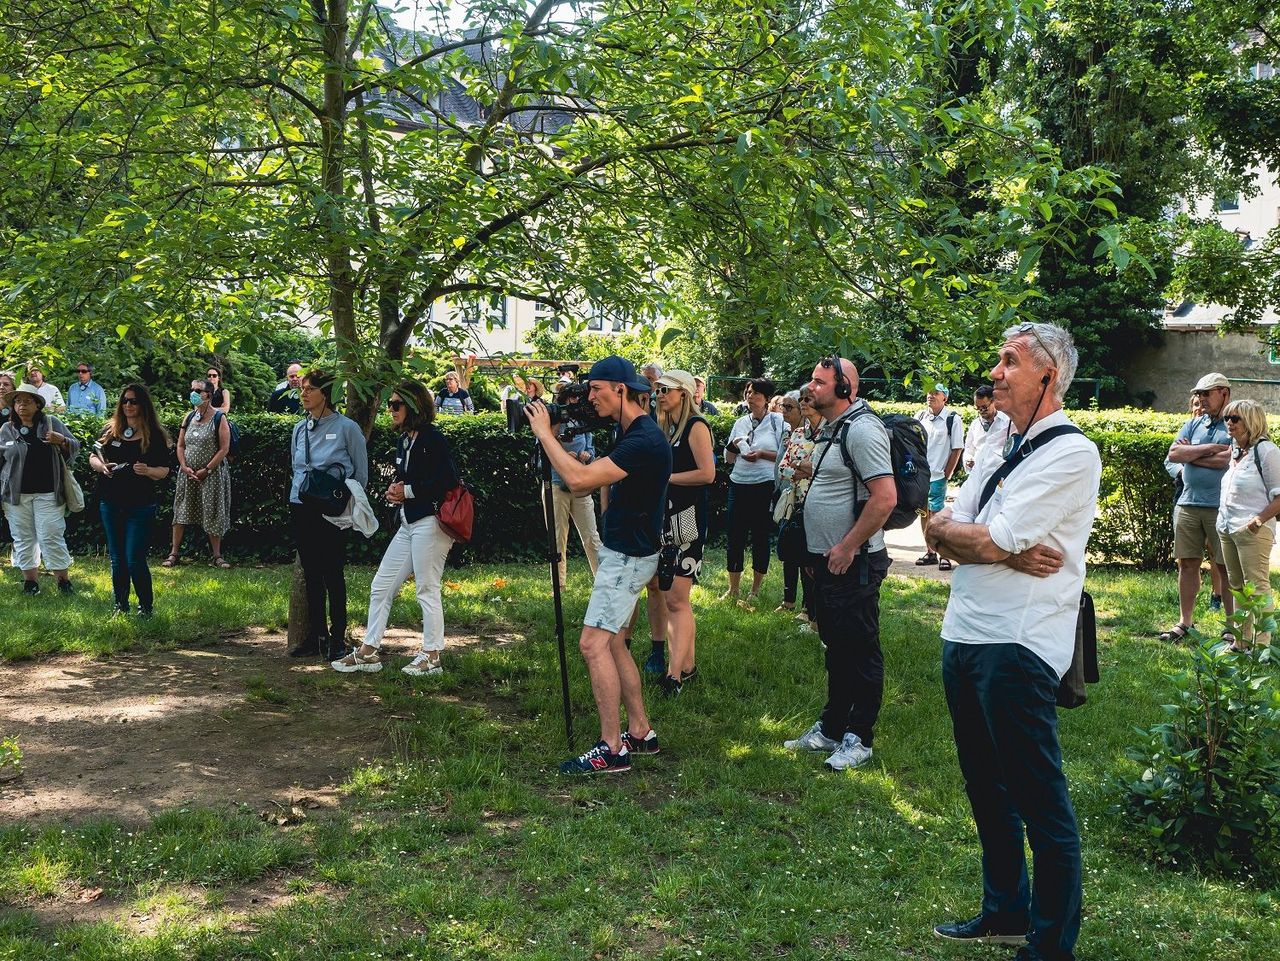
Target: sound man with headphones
<point>851,495</point>
<point>636,471</point>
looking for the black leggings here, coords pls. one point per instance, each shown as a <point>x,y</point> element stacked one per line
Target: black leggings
<point>749,513</point>
<point>322,549</point>
<point>791,574</point>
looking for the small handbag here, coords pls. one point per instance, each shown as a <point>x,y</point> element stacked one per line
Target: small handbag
<point>72,493</point>
<point>1084,659</point>
<point>784,506</point>
<point>320,488</point>
<point>682,526</point>
<point>793,543</point>
<point>456,513</point>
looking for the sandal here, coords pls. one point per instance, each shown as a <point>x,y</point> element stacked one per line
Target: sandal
<point>219,561</point>
<point>927,559</point>
<point>944,564</point>
<point>170,561</point>
<point>1176,633</point>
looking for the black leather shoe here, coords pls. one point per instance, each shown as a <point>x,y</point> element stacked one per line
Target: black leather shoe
<point>986,929</point>
<point>309,648</point>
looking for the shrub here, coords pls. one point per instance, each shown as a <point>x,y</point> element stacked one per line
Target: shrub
<point>10,759</point>
<point>1209,792</point>
<point>1133,523</point>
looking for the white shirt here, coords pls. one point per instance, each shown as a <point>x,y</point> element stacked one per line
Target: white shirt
<point>981,433</point>
<point>1050,498</point>
<point>52,396</point>
<point>1245,494</point>
<point>769,434</point>
<point>943,439</point>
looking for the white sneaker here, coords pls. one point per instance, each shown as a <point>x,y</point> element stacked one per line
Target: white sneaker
<point>851,753</point>
<point>812,740</point>
<point>423,665</point>
<point>355,661</point>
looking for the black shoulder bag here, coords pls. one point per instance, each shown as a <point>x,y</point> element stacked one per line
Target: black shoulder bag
<point>320,488</point>
<point>793,543</point>
<point>1084,659</point>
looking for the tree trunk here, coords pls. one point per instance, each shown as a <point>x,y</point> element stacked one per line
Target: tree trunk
<point>299,622</point>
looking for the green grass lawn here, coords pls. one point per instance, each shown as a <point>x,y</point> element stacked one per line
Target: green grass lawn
<point>463,842</point>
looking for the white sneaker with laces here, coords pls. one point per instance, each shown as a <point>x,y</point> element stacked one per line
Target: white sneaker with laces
<point>355,661</point>
<point>812,740</point>
<point>851,753</point>
<point>424,664</point>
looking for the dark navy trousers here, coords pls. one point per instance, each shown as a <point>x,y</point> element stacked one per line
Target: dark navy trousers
<point>1003,705</point>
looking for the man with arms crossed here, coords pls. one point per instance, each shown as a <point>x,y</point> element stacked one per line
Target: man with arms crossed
<point>1008,637</point>
<point>844,512</point>
<point>636,472</point>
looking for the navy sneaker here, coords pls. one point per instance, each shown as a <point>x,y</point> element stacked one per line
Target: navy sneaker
<point>599,760</point>
<point>687,676</point>
<point>30,587</point>
<point>985,929</point>
<point>655,664</point>
<point>64,587</point>
<point>1215,602</point>
<point>669,686</point>
<point>641,745</point>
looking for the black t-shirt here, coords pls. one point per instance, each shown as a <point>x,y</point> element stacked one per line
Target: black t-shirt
<point>37,471</point>
<point>284,400</point>
<point>682,496</point>
<point>637,503</point>
<point>124,488</point>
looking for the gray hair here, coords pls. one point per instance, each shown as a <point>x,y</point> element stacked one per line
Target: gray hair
<point>656,368</point>
<point>1050,346</point>
<point>792,395</point>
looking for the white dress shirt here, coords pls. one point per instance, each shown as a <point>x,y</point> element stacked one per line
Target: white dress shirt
<point>981,433</point>
<point>1050,498</point>
<point>943,438</point>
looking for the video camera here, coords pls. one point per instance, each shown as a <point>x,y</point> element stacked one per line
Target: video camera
<point>571,410</point>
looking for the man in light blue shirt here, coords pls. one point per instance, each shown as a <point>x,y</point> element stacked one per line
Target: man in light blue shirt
<point>86,395</point>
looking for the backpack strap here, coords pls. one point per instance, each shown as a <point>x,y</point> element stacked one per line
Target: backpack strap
<point>1023,452</point>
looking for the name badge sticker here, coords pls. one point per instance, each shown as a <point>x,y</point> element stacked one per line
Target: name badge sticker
<point>330,436</point>
<point>115,443</point>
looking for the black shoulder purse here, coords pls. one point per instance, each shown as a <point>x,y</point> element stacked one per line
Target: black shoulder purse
<point>320,488</point>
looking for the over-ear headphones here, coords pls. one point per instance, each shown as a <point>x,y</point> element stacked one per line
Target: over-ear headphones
<point>844,389</point>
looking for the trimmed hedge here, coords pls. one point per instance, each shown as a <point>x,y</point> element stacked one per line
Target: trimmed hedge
<point>1133,523</point>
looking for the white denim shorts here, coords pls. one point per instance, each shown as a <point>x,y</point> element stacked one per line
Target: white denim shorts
<point>619,581</point>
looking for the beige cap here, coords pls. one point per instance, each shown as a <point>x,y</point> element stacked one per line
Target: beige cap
<point>24,389</point>
<point>680,379</point>
<point>1210,381</point>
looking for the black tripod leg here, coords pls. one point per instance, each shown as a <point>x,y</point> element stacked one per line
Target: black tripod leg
<point>553,557</point>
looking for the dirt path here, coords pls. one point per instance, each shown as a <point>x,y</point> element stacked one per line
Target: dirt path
<point>235,722</point>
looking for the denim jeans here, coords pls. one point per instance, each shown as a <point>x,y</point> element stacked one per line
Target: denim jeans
<point>128,530</point>
<point>1003,703</point>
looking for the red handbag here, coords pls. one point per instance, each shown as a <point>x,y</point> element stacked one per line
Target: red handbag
<point>457,513</point>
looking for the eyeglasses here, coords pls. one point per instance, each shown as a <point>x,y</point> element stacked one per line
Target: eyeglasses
<point>790,406</point>
<point>395,405</point>
<point>131,401</point>
<point>1233,418</point>
<point>82,370</point>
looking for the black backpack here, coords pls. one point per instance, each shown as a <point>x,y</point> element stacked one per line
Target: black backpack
<point>909,453</point>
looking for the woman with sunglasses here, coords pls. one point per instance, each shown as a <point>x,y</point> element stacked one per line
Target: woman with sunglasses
<point>202,493</point>
<point>221,392</point>
<point>330,443</point>
<point>1247,514</point>
<point>131,458</point>
<point>425,472</point>
<point>753,447</point>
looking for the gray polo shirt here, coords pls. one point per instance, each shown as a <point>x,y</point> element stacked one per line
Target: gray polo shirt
<point>828,507</point>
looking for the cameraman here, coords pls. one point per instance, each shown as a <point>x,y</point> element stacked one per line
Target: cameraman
<point>579,444</point>
<point>637,471</point>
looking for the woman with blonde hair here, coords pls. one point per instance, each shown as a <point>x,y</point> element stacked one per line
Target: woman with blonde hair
<point>1249,505</point>
<point>693,470</point>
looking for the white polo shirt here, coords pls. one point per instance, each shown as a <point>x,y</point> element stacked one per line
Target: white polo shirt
<point>945,431</point>
<point>981,433</point>
<point>1050,498</point>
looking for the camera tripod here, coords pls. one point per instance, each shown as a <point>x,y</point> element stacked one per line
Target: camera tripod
<point>553,559</point>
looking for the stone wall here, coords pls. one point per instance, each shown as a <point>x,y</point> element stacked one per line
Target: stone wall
<point>1170,370</point>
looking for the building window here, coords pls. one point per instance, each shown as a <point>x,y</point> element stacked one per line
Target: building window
<point>1263,71</point>
<point>545,314</point>
<point>1228,204</point>
<point>489,311</point>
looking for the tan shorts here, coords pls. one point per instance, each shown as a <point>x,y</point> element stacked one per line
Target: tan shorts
<point>1193,527</point>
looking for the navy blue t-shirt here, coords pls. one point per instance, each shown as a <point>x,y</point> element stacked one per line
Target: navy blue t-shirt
<point>638,502</point>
